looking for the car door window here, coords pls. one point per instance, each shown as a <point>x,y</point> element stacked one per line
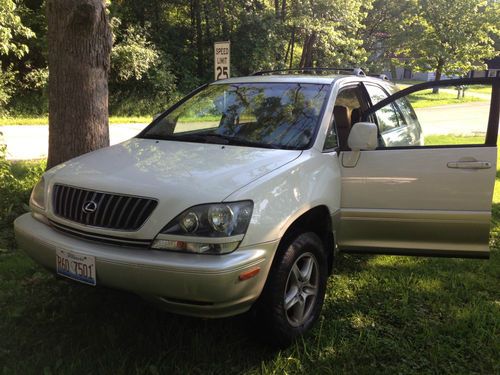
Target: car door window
<point>446,117</point>
<point>393,120</point>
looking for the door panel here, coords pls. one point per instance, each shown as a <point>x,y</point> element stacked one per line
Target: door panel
<point>410,199</point>
<point>425,197</point>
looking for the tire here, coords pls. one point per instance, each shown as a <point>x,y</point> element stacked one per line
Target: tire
<point>295,290</point>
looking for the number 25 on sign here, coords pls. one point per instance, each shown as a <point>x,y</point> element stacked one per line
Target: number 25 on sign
<point>222,57</point>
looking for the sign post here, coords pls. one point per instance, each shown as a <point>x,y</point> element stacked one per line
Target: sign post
<point>222,58</point>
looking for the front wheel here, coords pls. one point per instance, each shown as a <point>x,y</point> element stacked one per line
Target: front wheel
<point>293,296</point>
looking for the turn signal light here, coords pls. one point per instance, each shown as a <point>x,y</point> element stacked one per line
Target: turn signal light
<point>249,274</point>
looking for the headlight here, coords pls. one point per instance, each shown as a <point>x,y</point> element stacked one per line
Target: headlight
<point>209,228</point>
<point>37,198</point>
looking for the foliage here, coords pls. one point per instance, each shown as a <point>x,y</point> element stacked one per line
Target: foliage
<point>164,49</point>
<point>133,56</point>
<point>334,25</point>
<point>385,33</point>
<point>451,37</point>
<point>7,87</point>
<point>16,181</point>
<point>12,28</point>
<point>12,33</point>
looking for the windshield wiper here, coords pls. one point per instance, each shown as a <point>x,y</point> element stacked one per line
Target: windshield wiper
<point>236,141</point>
<point>212,138</point>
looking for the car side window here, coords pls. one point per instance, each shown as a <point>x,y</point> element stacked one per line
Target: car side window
<point>389,118</point>
<point>397,121</point>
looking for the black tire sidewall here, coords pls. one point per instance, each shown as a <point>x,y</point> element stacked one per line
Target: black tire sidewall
<point>271,305</point>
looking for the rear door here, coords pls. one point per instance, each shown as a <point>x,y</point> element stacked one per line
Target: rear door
<point>427,188</point>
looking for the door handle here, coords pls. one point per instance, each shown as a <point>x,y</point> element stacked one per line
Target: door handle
<point>469,164</point>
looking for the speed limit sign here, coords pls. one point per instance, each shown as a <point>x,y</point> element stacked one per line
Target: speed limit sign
<point>222,57</point>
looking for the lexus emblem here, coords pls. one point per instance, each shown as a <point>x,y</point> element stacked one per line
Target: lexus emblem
<point>89,207</point>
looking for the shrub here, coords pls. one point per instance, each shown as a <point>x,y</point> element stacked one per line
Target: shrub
<point>16,181</point>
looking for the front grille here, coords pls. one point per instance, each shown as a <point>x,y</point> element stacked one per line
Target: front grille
<point>99,209</point>
<point>129,242</point>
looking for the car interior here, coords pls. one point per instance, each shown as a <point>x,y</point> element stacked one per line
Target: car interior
<point>346,112</point>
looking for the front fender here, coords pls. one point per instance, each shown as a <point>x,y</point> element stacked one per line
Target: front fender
<point>282,196</point>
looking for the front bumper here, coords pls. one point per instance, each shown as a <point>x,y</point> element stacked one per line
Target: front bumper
<point>191,284</point>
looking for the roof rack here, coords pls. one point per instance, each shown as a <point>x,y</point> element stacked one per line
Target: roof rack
<point>355,71</point>
<point>381,76</point>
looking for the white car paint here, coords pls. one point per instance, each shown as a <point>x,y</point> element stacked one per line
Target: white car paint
<point>179,174</point>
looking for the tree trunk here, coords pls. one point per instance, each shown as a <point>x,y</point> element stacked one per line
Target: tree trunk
<point>439,72</point>
<point>199,38</point>
<point>207,24</point>
<point>306,60</point>
<point>283,10</point>
<point>293,47</point>
<point>222,14</point>
<point>79,43</point>
<point>394,72</point>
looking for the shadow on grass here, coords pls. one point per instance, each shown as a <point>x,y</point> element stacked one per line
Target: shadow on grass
<point>382,314</point>
<point>66,326</point>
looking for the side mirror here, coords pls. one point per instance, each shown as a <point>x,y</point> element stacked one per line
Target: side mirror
<point>363,136</point>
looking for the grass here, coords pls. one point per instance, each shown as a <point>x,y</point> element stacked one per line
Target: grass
<point>480,89</point>
<point>45,120</point>
<point>407,82</point>
<point>382,315</point>
<point>441,140</point>
<point>426,98</point>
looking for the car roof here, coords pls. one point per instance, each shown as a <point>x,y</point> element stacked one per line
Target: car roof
<point>301,78</point>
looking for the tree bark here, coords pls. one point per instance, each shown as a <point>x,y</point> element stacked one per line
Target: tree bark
<point>283,10</point>
<point>79,43</point>
<point>293,47</point>
<point>439,72</point>
<point>198,38</point>
<point>277,9</point>
<point>306,61</point>
<point>394,72</point>
<point>224,24</point>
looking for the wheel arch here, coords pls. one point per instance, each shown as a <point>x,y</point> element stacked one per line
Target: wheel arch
<point>318,220</point>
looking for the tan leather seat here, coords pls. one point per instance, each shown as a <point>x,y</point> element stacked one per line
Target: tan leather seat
<point>342,119</point>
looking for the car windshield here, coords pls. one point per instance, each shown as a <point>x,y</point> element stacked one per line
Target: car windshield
<point>270,115</point>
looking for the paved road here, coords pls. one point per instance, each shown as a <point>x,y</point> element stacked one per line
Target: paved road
<point>30,142</point>
<point>466,119</point>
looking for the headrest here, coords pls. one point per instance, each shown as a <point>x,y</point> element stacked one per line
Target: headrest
<point>355,116</point>
<point>341,116</point>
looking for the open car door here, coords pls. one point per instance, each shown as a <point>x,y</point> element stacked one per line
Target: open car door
<point>427,188</point>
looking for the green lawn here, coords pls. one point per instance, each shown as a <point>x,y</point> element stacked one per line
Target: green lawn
<point>481,89</point>
<point>382,314</point>
<point>426,98</point>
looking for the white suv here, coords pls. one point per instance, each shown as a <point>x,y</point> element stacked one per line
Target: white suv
<point>240,195</point>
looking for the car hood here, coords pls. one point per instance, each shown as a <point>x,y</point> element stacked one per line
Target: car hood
<point>188,173</point>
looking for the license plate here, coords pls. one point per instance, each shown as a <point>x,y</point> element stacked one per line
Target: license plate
<point>76,266</point>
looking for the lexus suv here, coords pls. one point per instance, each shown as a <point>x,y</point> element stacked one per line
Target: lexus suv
<point>240,195</point>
